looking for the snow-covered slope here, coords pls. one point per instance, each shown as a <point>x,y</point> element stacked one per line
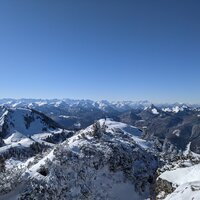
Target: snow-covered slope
<point>180,176</point>
<point>186,191</point>
<point>22,127</point>
<point>25,121</point>
<point>106,161</point>
<point>115,127</point>
<point>185,181</point>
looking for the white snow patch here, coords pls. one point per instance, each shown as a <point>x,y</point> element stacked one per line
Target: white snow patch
<point>187,151</point>
<point>176,109</point>
<point>187,191</point>
<point>41,103</point>
<point>181,176</point>
<point>64,116</point>
<point>114,127</point>
<point>166,110</point>
<point>33,170</point>
<point>176,132</point>
<point>15,137</point>
<point>155,111</point>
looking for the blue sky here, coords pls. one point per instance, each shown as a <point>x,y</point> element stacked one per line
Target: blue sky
<point>99,49</point>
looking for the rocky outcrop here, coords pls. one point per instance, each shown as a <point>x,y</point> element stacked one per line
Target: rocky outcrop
<point>163,188</point>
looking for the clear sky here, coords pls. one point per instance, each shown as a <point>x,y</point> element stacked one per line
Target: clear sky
<point>100,49</point>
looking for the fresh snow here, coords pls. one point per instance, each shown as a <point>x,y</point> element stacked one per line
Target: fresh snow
<point>187,191</point>
<point>17,117</point>
<point>26,142</point>
<point>155,111</point>
<point>113,126</point>
<point>12,162</point>
<point>15,137</point>
<point>176,109</point>
<point>2,117</point>
<point>32,171</point>
<point>41,103</point>
<point>187,150</point>
<point>186,181</point>
<point>102,181</point>
<point>180,176</point>
<point>166,110</point>
<point>176,132</point>
<point>64,116</point>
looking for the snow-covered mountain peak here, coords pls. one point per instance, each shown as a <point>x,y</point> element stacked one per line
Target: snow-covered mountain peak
<point>152,109</point>
<point>109,130</point>
<point>25,121</point>
<point>104,161</point>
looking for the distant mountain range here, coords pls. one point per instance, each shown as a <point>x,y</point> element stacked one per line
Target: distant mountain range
<point>102,105</point>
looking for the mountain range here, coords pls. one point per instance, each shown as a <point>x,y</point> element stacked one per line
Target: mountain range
<point>82,149</point>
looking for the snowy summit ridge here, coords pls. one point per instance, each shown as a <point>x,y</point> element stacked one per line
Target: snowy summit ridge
<point>105,161</point>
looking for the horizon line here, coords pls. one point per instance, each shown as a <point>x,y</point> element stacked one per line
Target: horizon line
<point>87,99</point>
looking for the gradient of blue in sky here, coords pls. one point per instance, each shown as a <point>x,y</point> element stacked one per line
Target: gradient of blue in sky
<point>100,49</point>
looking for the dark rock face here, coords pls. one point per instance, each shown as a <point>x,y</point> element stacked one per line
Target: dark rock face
<point>164,186</point>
